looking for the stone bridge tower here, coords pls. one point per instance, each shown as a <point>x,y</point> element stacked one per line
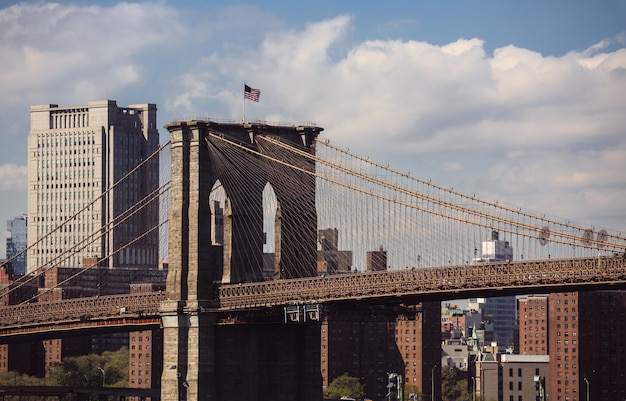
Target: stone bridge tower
<point>257,361</point>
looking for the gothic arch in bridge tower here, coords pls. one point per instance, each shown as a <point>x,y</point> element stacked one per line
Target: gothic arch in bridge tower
<point>267,265</point>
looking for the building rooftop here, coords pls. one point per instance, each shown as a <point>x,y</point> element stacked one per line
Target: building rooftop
<point>525,358</point>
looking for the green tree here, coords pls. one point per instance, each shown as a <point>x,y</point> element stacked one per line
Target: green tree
<point>454,385</point>
<point>14,378</point>
<point>92,370</point>
<point>116,367</point>
<point>345,385</point>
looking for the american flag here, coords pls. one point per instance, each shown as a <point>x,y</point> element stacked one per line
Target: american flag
<point>251,93</point>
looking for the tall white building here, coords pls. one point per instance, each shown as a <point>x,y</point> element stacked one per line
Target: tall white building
<point>77,209</point>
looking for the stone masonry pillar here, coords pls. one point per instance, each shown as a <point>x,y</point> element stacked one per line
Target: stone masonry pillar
<point>188,323</point>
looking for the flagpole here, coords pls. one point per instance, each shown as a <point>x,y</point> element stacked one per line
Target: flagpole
<point>244,104</point>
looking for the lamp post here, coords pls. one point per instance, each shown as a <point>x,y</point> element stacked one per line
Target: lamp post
<point>587,383</point>
<point>103,375</point>
<point>473,388</point>
<point>432,383</point>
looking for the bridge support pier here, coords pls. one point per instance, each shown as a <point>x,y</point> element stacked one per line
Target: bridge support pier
<point>257,361</point>
<point>189,352</point>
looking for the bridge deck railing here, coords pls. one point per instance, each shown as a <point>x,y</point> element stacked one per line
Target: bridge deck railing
<point>381,286</point>
<point>405,282</point>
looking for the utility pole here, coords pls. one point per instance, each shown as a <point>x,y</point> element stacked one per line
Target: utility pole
<point>432,383</point>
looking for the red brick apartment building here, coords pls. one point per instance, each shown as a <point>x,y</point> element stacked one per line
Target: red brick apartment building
<point>145,351</point>
<point>370,344</point>
<point>584,333</point>
<point>533,325</point>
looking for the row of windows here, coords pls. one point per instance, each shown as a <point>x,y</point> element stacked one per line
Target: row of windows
<point>537,321</point>
<point>47,196</point>
<point>67,139</point>
<point>39,188</point>
<point>140,373</point>
<point>519,372</point>
<point>526,316</point>
<point>560,366</point>
<point>536,342</point>
<point>59,208</point>
<point>543,334</point>
<point>59,163</point>
<point>140,347</point>
<point>46,250</point>
<point>78,217</point>
<point>79,174</point>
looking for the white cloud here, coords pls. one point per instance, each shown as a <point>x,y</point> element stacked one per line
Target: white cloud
<point>515,124</point>
<point>451,166</point>
<point>13,177</point>
<point>60,53</point>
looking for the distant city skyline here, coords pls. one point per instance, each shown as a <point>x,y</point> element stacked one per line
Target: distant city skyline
<point>517,102</point>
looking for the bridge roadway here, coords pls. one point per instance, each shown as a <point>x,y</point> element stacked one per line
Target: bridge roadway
<point>81,393</point>
<point>409,286</point>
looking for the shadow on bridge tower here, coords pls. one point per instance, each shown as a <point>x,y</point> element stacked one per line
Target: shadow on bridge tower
<point>203,358</point>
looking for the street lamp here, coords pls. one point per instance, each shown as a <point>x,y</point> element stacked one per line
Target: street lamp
<point>103,375</point>
<point>587,383</point>
<point>432,385</point>
<point>473,388</point>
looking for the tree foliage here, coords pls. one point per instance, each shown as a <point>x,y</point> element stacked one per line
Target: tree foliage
<point>16,379</point>
<point>85,370</point>
<point>345,385</point>
<point>454,385</point>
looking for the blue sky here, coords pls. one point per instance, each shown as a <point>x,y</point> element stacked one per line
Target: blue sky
<point>520,101</point>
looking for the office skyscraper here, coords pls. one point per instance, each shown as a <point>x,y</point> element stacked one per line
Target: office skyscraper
<point>501,311</point>
<point>16,244</point>
<point>80,211</point>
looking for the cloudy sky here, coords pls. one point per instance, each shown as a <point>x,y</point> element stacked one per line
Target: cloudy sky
<point>523,102</point>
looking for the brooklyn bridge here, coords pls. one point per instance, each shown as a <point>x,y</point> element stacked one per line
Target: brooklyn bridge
<point>242,211</point>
